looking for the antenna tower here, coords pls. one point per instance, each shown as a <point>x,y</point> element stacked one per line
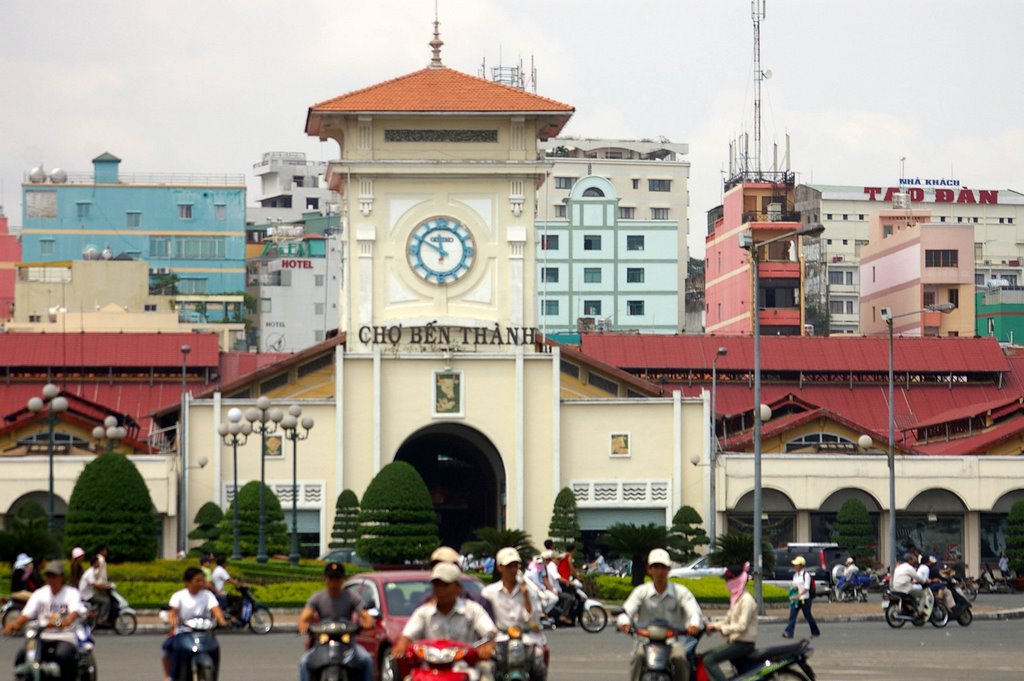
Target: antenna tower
<point>757,12</point>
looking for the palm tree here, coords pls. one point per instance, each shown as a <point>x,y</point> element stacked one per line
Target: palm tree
<point>491,540</point>
<point>635,542</point>
<point>736,548</point>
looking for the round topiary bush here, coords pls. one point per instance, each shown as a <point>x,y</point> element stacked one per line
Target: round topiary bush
<point>346,521</point>
<point>111,505</point>
<point>397,521</point>
<point>207,529</point>
<point>276,531</point>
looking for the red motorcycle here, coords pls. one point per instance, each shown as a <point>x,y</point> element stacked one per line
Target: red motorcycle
<point>441,660</point>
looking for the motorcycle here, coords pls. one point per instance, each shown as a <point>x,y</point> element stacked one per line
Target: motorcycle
<point>10,609</point>
<point>38,664</point>
<point>899,610</point>
<point>961,611</point>
<point>970,588</point>
<point>442,660</point>
<point>514,657</point>
<point>199,651</point>
<point>334,653</point>
<point>122,618</point>
<point>989,583</point>
<point>589,612</point>
<point>252,614</point>
<point>857,590</point>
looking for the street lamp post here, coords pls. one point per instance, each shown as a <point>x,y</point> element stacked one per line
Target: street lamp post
<point>290,425</point>
<point>712,519</point>
<point>235,432</point>
<point>111,432</point>
<point>55,405</point>
<point>264,420</point>
<point>888,316</point>
<point>183,454</point>
<point>747,242</point>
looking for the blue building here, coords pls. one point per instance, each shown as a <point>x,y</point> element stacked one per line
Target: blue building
<point>191,226</point>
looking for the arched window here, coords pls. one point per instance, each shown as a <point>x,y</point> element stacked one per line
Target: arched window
<point>592,191</point>
<point>62,443</point>
<point>821,442</point>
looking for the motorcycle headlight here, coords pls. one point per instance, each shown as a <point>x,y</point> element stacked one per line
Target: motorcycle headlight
<point>656,656</point>
<point>516,652</point>
<point>324,638</point>
<point>435,655</point>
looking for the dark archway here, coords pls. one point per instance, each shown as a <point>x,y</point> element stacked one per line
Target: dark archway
<point>464,473</point>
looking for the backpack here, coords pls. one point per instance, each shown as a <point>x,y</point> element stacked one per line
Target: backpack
<point>813,591</point>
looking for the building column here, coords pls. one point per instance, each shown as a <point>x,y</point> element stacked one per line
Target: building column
<point>517,281</point>
<point>556,422</point>
<point>365,236</point>
<point>520,435</point>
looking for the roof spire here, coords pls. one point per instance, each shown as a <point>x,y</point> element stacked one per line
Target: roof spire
<point>436,43</point>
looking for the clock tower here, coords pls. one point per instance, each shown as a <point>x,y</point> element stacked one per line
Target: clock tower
<point>438,172</point>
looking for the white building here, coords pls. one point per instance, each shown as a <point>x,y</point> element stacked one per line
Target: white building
<point>290,185</point>
<point>833,277</point>
<point>647,198</point>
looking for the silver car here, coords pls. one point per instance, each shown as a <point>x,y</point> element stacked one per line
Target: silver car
<point>697,568</point>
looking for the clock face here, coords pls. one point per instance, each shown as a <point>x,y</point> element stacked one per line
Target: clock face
<point>441,250</point>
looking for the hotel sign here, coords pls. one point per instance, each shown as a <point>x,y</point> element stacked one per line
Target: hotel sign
<point>945,191</point>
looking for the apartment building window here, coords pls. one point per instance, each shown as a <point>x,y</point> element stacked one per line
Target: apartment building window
<point>659,185</point>
<point>861,216</point>
<point>192,286</point>
<point>265,305</point>
<point>564,182</point>
<point>953,296</point>
<point>634,242</point>
<point>849,278</point>
<point>550,308</point>
<point>845,216</point>
<point>549,275</point>
<point>35,318</point>
<point>835,306</point>
<point>318,309</point>
<point>560,210</point>
<point>1002,220</point>
<point>549,242</point>
<point>849,307</point>
<point>220,212</point>
<point>659,213</point>
<point>960,220</point>
<point>199,248</point>
<point>929,298</point>
<point>835,278</point>
<point>636,183</point>
<point>318,336</point>
<point>592,307</point>
<point>1011,279</point>
<point>84,210</point>
<point>979,279</point>
<point>1009,221</point>
<point>149,307</point>
<point>941,258</point>
<point>634,275</point>
<point>184,211</point>
<point>627,213</point>
<point>828,216</point>
<point>318,280</point>
<point>47,246</point>
<point>886,231</point>
<point>974,220</point>
<point>635,308</point>
<point>132,219</point>
<point>942,218</point>
<point>591,242</point>
<point>591,275</point>
<point>979,251</point>
<point>159,247</point>
<point>298,180</point>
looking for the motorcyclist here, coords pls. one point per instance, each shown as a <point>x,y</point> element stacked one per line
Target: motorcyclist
<point>194,601</point>
<point>849,572</point>
<point>56,606</point>
<point>24,578</point>
<point>516,605</point>
<point>739,626</point>
<point>448,616</point>
<point>663,600</point>
<point>938,584</point>
<point>904,577</point>
<point>334,604</point>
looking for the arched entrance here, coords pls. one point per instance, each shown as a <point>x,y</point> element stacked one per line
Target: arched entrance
<point>465,476</point>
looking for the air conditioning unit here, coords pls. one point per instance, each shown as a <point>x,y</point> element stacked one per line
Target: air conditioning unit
<point>900,201</point>
<point>988,262</point>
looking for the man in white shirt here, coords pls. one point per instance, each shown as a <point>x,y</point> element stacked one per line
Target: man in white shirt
<point>663,600</point>
<point>219,579</point>
<point>194,601</point>
<point>516,605</point>
<point>448,616</point>
<point>101,585</point>
<point>905,578</point>
<point>57,607</point>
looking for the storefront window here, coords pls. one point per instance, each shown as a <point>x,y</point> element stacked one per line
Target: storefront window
<point>778,529</point>
<point>942,537</point>
<point>993,536</point>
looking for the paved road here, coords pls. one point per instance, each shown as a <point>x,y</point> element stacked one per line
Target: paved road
<point>847,651</point>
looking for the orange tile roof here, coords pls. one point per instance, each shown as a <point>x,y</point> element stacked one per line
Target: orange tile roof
<point>441,89</point>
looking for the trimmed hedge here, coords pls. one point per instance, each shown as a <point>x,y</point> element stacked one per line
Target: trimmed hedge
<point>397,521</point>
<point>275,530</point>
<point>614,590</point>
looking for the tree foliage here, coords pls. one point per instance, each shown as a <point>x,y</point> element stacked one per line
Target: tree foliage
<point>736,548</point>
<point>208,528</point>
<point>565,525</point>
<point>397,521</point>
<point>686,534</point>
<point>635,542</point>
<point>110,505</point>
<point>346,521</point>
<point>276,531</point>
<point>854,531</point>
<point>490,540</point>
<point>26,532</point>
<point>1015,537</point>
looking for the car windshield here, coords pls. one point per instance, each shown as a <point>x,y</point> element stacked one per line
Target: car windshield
<point>404,597</point>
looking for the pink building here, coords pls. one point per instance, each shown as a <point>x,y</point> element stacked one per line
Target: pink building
<point>766,210</point>
<point>10,253</point>
<point>911,263</point>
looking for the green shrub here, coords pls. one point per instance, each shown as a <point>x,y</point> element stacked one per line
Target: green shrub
<point>1015,538</point>
<point>635,542</point>
<point>277,540</point>
<point>854,531</point>
<point>207,530</point>
<point>686,534</point>
<point>397,521</point>
<point>614,590</point>
<point>26,532</point>
<point>346,521</point>
<point>110,505</point>
<point>565,525</point>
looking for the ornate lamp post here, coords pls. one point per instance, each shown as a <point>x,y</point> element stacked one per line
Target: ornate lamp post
<point>712,520</point>
<point>264,420</point>
<point>235,432</point>
<point>111,432</point>
<point>183,454</point>
<point>55,405</point>
<point>291,424</point>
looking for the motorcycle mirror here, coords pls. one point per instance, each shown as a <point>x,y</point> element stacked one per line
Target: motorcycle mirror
<point>373,612</point>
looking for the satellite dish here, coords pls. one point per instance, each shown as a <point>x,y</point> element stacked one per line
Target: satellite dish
<point>58,176</point>
<point>767,74</point>
<point>37,175</point>
<point>91,253</point>
<point>107,253</point>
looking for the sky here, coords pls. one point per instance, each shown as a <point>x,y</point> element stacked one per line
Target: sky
<point>209,86</point>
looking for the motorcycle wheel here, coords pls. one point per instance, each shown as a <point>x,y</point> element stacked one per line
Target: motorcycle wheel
<point>940,616</point>
<point>965,618</point>
<point>594,619</point>
<point>971,591</point>
<point>87,668</point>
<point>11,615</point>
<point>892,617</point>
<point>388,672</point>
<point>125,624</point>
<point>261,621</point>
<point>787,675</point>
<point>204,674</point>
<point>863,596</point>
<point>331,674</point>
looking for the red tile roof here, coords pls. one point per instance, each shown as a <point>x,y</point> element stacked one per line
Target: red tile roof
<point>90,350</point>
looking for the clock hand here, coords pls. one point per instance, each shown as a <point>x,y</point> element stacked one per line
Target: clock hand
<point>437,247</point>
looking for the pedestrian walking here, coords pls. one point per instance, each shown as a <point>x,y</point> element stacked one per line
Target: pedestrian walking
<point>800,599</point>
